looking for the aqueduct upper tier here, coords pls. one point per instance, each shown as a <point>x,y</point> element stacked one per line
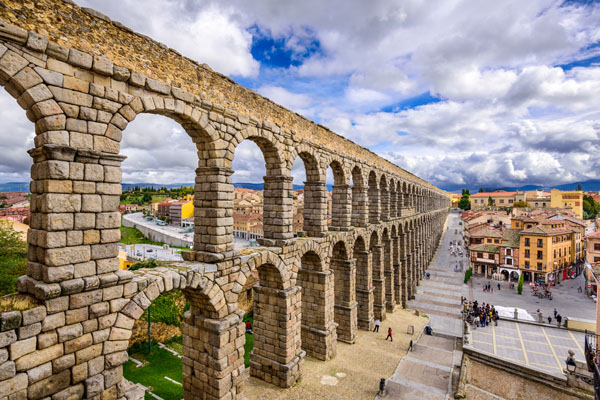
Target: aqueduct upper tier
<point>81,79</point>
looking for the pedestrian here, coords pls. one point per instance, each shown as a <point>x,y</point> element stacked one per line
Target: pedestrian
<point>498,286</point>
<point>249,328</point>
<point>389,335</point>
<point>549,319</point>
<point>558,319</point>
<point>580,289</point>
<point>377,323</point>
<point>555,312</point>
<point>410,346</point>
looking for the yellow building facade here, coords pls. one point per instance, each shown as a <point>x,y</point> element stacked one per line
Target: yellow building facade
<point>546,248</point>
<point>568,199</point>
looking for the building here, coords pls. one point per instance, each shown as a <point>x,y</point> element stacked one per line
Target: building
<point>593,247</point>
<point>180,210</point>
<point>454,199</point>
<point>571,200</point>
<point>247,226</point>
<point>546,249</point>
<point>18,214</point>
<point>534,198</point>
<point>498,198</point>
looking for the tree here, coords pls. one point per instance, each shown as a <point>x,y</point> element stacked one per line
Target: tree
<point>464,203</point>
<point>468,274</point>
<point>490,202</point>
<point>579,187</point>
<point>590,207</point>
<point>481,190</point>
<point>520,284</point>
<point>520,204</point>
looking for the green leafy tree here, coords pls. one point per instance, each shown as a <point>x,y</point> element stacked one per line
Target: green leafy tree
<point>520,284</point>
<point>481,190</point>
<point>464,203</point>
<point>579,187</point>
<point>490,201</point>
<point>520,204</point>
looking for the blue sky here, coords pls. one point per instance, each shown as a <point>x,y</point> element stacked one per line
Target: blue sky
<point>462,92</point>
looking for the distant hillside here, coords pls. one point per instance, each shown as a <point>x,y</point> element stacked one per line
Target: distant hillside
<point>14,187</point>
<point>591,185</point>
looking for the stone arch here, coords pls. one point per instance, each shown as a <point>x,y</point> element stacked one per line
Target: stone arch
<point>344,271</point>
<point>373,191</point>
<point>315,191</point>
<point>384,198</point>
<point>341,196</point>
<point>203,331</point>
<point>192,119</point>
<point>277,184</point>
<point>360,212</point>
<point>281,278</point>
<point>393,193</point>
<point>364,283</point>
<point>265,140</point>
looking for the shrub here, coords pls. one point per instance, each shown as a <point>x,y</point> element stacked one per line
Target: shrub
<point>468,274</point>
<point>520,285</point>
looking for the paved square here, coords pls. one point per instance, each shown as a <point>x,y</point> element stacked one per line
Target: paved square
<point>539,347</point>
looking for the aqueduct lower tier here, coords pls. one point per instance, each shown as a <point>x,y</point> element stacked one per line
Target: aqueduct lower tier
<point>81,79</point>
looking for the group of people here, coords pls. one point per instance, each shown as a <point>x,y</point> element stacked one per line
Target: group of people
<point>488,287</point>
<point>557,317</point>
<point>482,315</point>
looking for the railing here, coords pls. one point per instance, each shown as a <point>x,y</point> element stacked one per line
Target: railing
<point>592,357</point>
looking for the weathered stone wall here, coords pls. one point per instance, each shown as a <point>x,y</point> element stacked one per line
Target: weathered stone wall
<point>81,79</point>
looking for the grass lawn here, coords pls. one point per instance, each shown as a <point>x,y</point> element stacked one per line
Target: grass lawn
<point>160,363</point>
<point>248,348</point>
<point>134,236</point>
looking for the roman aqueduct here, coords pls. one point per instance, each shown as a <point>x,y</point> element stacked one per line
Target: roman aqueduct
<point>81,79</point>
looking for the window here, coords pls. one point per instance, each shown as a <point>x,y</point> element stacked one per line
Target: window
<point>596,259</point>
<point>597,246</point>
<point>496,240</point>
<point>491,256</point>
<point>555,253</point>
<point>489,240</point>
<point>501,201</point>
<point>508,252</point>
<point>510,201</point>
<point>527,242</point>
<point>540,255</point>
<point>509,261</point>
<point>479,255</point>
<point>526,253</point>
<point>526,264</point>
<point>540,243</point>
<point>539,266</point>
<point>559,252</point>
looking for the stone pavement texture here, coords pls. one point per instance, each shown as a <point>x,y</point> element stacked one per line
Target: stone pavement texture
<point>538,347</point>
<point>426,372</point>
<point>355,372</point>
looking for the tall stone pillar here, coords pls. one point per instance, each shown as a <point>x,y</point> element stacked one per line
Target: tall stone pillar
<point>346,307</point>
<point>213,213</point>
<point>405,273</point>
<point>364,290</point>
<point>388,271</point>
<point>213,356</point>
<point>341,207</point>
<point>397,264</point>
<point>393,204</point>
<point>405,204</point>
<point>360,206</point>
<point>373,204</point>
<point>277,356</point>
<point>384,202</point>
<point>378,282</point>
<point>277,210</point>
<point>315,209</point>
<point>318,323</point>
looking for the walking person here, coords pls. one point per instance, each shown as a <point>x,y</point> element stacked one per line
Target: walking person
<point>558,320</point>
<point>410,346</point>
<point>389,335</point>
<point>377,323</point>
<point>549,319</point>
<point>555,312</point>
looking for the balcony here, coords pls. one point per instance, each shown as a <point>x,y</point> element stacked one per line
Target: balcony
<point>592,358</point>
